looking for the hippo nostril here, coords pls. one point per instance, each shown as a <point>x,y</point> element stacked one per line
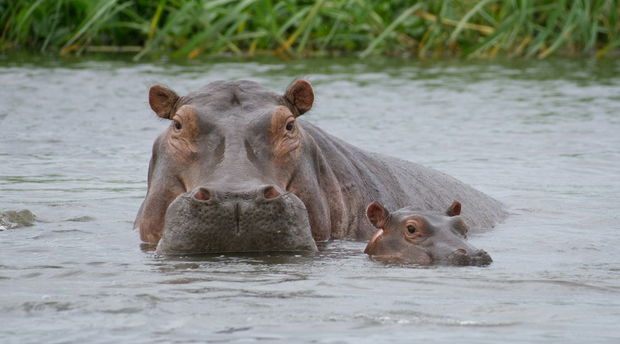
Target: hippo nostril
<point>460,251</point>
<point>270,193</point>
<point>202,195</point>
<point>482,258</point>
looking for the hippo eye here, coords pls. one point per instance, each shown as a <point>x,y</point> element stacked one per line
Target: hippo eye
<point>411,229</point>
<point>289,126</point>
<point>177,125</point>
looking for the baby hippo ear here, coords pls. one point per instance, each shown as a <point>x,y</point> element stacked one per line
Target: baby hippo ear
<point>301,96</point>
<point>377,214</point>
<point>162,100</point>
<point>455,209</point>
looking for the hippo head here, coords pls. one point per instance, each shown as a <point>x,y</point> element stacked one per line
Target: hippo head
<point>219,174</point>
<point>422,237</point>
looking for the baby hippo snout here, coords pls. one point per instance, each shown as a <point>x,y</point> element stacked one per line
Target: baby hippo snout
<point>460,257</point>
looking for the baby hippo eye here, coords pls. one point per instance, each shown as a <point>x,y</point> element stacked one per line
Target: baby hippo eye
<point>411,228</point>
<point>289,125</point>
<point>177,125</point>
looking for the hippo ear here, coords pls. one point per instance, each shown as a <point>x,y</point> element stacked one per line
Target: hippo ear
<point>455,209</point>
<point>162,100</point>
<point>301,96</point>
<point>377,214</point>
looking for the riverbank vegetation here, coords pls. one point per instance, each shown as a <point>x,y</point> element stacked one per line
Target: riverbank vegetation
<point>432,28</point>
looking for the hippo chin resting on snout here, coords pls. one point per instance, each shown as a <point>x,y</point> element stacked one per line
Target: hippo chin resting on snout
<point>410,235</point>
<point>237,170</point>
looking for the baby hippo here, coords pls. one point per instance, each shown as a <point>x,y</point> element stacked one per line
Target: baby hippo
<point>415,236</point>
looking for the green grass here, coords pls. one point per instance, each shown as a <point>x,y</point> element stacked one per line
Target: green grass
<point>431,28</point>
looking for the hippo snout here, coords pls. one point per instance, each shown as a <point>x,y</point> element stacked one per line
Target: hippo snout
<point>257,219</point>
<point>482,258</point>
<point>461,257</point>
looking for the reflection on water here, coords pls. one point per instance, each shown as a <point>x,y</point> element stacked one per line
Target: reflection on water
<point>540,136</point>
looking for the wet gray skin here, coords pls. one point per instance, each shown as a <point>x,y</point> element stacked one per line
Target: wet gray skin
<point>238,171</point>
<point>282,224</point>
<point>410,235</point>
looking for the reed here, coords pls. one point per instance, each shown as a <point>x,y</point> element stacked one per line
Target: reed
<point>191,28</point>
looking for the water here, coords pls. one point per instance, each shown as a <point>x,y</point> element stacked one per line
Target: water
<point>542,137</point>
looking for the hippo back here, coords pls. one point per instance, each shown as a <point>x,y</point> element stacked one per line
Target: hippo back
<point>367,176</point>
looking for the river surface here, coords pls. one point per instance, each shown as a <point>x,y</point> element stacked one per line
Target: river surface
<point>543,137</point>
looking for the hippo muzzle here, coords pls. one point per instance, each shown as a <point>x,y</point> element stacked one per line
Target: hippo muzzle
<point>206,221</point>
<point>392,249</point>
<point>462,257</point>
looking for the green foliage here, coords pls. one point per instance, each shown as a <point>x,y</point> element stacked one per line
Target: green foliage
<point>190,28</point>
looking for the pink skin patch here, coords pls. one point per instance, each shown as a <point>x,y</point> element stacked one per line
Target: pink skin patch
<point>202,195</point>
<point>271,193</point>
<point>374,238</point>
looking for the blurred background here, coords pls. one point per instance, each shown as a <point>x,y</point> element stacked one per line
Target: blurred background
<point>189,29</point>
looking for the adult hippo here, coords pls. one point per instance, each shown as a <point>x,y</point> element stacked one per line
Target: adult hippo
<point>418,236</point>
<point>238,171</point>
